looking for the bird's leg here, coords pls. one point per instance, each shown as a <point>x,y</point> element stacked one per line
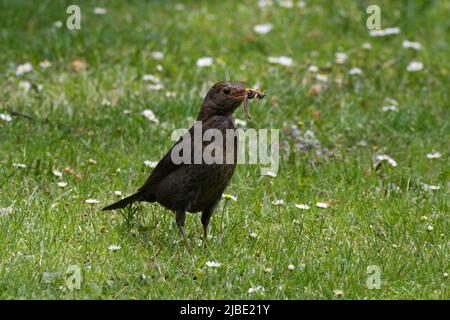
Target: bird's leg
<point>180,217</point>
<point>206,217</point>
<point>133,211</point>
<point>128,213</point>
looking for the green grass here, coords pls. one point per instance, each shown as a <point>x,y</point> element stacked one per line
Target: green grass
<point>376,217</point>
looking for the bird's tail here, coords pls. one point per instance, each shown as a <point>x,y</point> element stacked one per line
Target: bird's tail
<point>124,202</point>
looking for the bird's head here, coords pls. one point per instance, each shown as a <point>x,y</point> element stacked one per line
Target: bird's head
<point>225,97</point>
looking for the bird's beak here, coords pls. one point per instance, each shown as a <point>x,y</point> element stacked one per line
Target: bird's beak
<point>241,95</point>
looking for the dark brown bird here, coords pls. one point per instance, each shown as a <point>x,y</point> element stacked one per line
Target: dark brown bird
<point>197,186</point>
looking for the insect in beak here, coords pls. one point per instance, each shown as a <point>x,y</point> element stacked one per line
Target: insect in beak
<point>251,94</point>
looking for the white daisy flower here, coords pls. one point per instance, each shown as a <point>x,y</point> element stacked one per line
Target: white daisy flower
<point>19,165</point>
<point>434,155</point>
<point>291,267</point>
<point>288,4</point>
<point>430,228</point>
<point>389,108</point>
<point>391,101</point>
<point>322,205</point>
<point>150,77</point>
<point>179,7</point>
<point>57,173</point>
<point>391,105</point>
<point>390,31</point>
<point>62,184</point>
<point>268,270</point>
<point>313,68</point>
<point>170,94</point>
<point>341,57</point>
<point>100,11</point>
<point>355,71</point>
<point>204,62</point>
<point>228,196</point>
<point>25,86</point>
<point>91,201</point>
<point>240,122</point>
<point>302,206</point>
<point>263,28</point>
<point>411,44</point>
<point>256,289</point>
<point>322,77</point>
<point>430,187</point>
<point>150,164</point>
<point>57,24</point>
<point>270,174</point>
<point>362,143</point>
<point>105,102</point>
<point>338,292</point>
<point>285,61</point>
<point>367,46</point>
<point>5,117</point>
<point>5,211</point>
<point>149,115</point>
<point>414,66</point>
<point>265,3</point>
<point>384,157</point>
<point>156,86</point>
<point>384,32</point>
<point>118,193</point>
<point>157,55</point>
<point>445,274</point>
<point>114,247</point>
<point>44,64</point>
<point>23,68</point>
<point>254,235</point>
<point>278,202</point>
<point>159,68</point>
<point>301,4</point>
<point>213,264</point>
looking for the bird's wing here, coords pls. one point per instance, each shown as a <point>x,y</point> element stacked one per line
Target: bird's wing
<point>164,167</point>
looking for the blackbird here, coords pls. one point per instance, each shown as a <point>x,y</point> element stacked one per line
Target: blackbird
<point>197,186</point>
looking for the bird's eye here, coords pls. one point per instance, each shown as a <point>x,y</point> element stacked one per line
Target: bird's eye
<point>226,91</point>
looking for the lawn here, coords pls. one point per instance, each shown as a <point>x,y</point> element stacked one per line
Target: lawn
<point>71,130</point>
